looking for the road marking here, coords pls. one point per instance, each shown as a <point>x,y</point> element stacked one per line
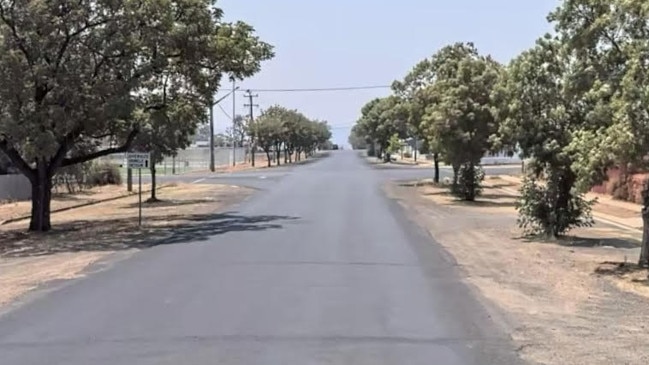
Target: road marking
<point>197,181</point>
<point>262,177</point>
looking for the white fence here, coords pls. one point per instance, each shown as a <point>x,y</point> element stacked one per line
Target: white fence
<point>15,187</point>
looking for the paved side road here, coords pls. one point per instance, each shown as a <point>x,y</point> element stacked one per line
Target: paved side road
<point>317,268</point>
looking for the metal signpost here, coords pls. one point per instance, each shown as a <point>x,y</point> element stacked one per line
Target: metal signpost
<point>139,161</point>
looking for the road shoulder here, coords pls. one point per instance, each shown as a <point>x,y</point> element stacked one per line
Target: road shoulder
<point>556,300</point>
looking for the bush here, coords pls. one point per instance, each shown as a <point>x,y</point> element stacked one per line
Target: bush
<point>72,178</point>
<point>554,209</point>
<point>101,174</point>
<point>469,182</point>
<point>407,155</point>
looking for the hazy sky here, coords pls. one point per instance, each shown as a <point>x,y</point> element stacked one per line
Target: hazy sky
<point>343,43</point>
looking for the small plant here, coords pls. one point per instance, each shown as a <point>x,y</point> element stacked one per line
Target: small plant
<point>407,155</point>
<point>101,174</point>
<point>552,210</point>
<point>469,182</point>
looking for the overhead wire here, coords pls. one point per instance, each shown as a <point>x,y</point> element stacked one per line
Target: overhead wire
<point>322,89</point>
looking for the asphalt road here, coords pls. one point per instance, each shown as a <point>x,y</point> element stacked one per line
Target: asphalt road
<point>318,267</point>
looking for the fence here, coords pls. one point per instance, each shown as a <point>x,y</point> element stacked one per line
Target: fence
<point>191,159</point>
<point>14,187</point>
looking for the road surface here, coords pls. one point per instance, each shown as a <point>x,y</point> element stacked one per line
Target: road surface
<point>318,267</point>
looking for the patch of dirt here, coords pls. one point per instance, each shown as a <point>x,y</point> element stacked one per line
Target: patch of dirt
<point>565,307</point>
<point>60,200</point>
<point>20,275</point>
<point>80,236</point>
<point>494,196</point>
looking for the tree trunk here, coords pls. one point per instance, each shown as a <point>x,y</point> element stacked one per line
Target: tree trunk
<point>415,151</point>
<point>153,197</point>
<point>129,180</point>
<point>278,153</point>
<point>436,162</point>
<point>456,171</point>
<point>644,250</point>
<point>285,155</point>
<point>268,157</point>
<point>252,155</point>
<point>469,179</point>
<point>41,198</point>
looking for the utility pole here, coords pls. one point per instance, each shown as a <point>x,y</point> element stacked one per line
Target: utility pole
<point>234,134</point>
<point>211,105</point>
<point>253,143</point>
<point>212,167</point>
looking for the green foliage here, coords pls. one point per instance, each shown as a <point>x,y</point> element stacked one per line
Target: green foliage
<point>469,182</point>
<point>108,75</point>
<point>381,119</point>
<point>278,127</point>
<point>100,174</point>
<point>394,144</point>
<point>551,209</point>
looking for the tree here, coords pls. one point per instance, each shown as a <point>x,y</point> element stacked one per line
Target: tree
<point>459,120</point>
<point>268,129</point>
<point>168,129</point>
<point>536,114</point>
<point>357,138</point>
<point>279,128</point>
<point>394,144</point>
<point>79,71</point>
<point>381,119</point>
<point>415,101</point>
<point>608,41</point>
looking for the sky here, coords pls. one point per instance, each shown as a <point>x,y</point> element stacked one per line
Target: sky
<point>352,43</point>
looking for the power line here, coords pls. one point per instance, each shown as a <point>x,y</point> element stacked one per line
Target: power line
<point>345,88</point>
<point>224,112</point>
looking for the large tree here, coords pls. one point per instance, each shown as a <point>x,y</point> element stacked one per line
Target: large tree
<point>80,70</point>
<point>609,41</point>
<point>415,100</point>
<point>458,119</point>
<point>381,118</point>
<point>537,114</point>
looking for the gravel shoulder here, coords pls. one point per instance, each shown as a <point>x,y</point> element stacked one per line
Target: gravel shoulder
<point>82,236</point>
<point>567,302</point>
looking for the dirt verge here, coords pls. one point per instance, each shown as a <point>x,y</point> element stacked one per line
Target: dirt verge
<point>570,302</point>
<point>81,236</point>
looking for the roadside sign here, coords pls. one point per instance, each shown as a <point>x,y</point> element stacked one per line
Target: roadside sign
<point>137,160</point>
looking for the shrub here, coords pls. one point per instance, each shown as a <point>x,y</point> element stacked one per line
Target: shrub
<point>552,209</point>
<point>103,173</point>
<point>469,182</point>
<point>407,155</point>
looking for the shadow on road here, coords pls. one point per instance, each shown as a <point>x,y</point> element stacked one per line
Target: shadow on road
<point>123,233</point>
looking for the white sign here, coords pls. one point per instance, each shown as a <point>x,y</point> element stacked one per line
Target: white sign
<point>137,160</point>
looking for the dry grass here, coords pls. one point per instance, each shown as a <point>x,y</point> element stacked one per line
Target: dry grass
<point>186,212</point>
<point>11,210</point>
<point>570,301</point>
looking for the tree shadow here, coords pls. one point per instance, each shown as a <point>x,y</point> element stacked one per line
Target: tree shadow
<point>123,233</point>
<point>495,200</point>
<point>166,203</point>
<point>584,242</point>
<point>624,270</point>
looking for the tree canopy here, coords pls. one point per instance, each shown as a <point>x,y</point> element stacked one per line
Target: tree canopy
<point>91,77</point>
<point>574,103</point>
<point>280,129</point>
